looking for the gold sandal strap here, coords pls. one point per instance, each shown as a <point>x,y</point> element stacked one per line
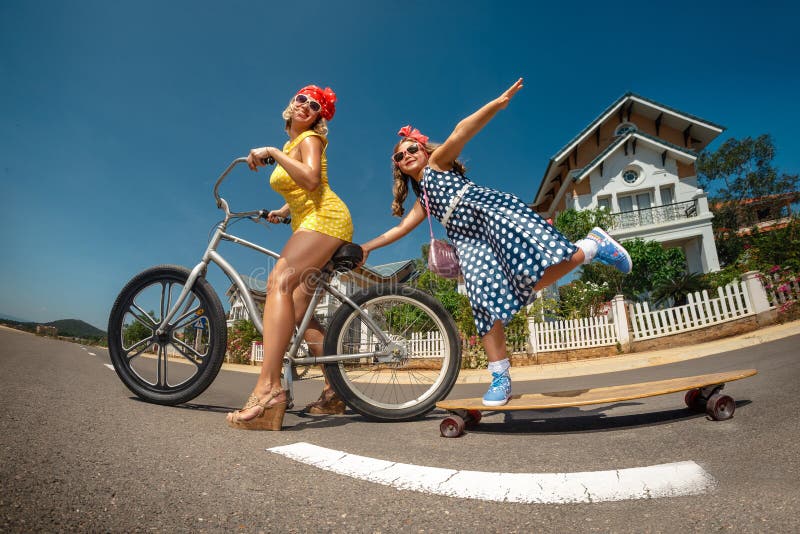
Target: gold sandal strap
<point>252,402</point>
<point>272,394</point>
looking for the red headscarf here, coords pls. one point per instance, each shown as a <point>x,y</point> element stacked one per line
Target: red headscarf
<point>326,98</point>
<point>413,133</point>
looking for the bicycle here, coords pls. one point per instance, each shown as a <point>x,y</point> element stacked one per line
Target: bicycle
<point>391,350</point>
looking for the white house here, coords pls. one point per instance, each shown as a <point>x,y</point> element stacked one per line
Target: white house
<point>637,159</point>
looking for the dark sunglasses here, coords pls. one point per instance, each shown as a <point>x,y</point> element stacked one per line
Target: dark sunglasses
<point>312,104</point>
<point>412,149</point>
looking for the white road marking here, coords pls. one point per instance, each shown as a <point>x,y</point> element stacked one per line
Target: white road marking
<point>664,480</point>
<point>109,366</point>
<point>92,354</point>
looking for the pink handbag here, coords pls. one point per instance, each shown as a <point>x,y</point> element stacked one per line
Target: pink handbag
<point>442,256</point>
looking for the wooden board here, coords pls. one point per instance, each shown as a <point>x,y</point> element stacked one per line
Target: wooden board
<point>604,395</point>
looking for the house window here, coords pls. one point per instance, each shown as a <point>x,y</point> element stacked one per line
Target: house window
<point>637,205</point>
<point>630,176</point>
<point>604,203</point>
<point>667,196</point>
<point>625,127</point>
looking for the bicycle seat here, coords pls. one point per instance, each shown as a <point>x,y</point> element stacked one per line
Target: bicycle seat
<point>348,256</point>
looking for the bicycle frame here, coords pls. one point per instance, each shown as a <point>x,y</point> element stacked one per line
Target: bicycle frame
<point>322,285</point>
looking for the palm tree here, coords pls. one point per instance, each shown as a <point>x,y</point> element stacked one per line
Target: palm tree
<point>677,289</point>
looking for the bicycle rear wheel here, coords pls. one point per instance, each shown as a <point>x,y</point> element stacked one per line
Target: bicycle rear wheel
<point>425,360</point>
<point>178,365</point>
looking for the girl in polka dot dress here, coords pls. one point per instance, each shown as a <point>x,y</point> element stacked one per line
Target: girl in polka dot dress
<point>505,250</point>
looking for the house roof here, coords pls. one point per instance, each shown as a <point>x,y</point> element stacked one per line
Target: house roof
<point>388,269</point>
<point>254,284</point>
<point>401,271</point>
<point>702,131</point>
<point>678,152</point>
<point>647,107</point>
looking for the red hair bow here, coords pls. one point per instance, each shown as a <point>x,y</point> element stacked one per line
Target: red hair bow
<point>413,133</point>
<point>326,98</point>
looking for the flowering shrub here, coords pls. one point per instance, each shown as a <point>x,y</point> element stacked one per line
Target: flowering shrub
<point>240,338</point>
<point>783,291</point>
<point>474,357</point>
<point>583,299</point>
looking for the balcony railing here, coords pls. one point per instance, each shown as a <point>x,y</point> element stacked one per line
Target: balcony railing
<point>655,215</point>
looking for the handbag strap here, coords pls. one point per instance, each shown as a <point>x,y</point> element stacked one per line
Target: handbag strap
<point>427,206</point>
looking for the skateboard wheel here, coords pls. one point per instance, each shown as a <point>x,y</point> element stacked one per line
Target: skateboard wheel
<point>452,426</point>
<point>720,407</point>
<point>473,418</point>
<point>694,401</point>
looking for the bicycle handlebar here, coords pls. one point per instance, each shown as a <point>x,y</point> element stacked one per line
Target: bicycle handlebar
<point>223,204</point>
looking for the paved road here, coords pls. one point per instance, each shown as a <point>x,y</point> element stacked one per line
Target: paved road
<point>79,453</point>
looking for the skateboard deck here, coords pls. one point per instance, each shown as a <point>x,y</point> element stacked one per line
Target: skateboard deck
<point>703,394</point>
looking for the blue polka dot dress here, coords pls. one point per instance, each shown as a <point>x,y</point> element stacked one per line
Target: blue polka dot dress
<point>503,245</point>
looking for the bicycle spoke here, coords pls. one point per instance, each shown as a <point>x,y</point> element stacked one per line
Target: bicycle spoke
<point>187,352</point>
<point>163,365</point>
<point>189,301</point>
<point>144,342</point>
<point>152,322</point>
<point>189,314</point>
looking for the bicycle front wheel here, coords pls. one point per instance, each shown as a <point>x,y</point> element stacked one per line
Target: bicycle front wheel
<point>179,364</point>
<point>424,360</point>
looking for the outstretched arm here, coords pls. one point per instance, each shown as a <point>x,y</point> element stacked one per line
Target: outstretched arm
<point>444,156</point>
<point>412,219</point>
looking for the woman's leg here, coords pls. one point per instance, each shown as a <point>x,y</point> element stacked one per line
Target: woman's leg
<point>303,255</point>
<point>314,334</point>
<point>494,341</point>
<point>554,273</point>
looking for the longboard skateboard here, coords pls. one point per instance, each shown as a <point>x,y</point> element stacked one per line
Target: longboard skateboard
<point>702,395</point>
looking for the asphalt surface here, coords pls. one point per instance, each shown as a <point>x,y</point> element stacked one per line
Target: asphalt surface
<point>80,453</point>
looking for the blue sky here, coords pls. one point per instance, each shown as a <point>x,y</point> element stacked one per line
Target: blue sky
<point>117,117</point>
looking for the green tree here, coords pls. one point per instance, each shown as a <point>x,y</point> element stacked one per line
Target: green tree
<point>779,246</point>
<point>652,265</point>
<point>444,289</point>
<point>743,169</point>
<point>576,225</point>
<point>136,331</point>
<point>581,299</point>
<point>678,289</point>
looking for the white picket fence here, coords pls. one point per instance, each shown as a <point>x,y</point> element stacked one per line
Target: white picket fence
<point>256,352</point>
<point>573,334</point>
<point>421,345</point>
<point>732,302</point>
<point>779,293</point>
<point>426,345</point>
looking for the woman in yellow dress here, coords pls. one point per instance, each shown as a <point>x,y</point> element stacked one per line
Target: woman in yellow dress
<point>321,223</point>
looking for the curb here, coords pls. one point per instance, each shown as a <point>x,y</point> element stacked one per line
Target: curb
<point>612,364</point>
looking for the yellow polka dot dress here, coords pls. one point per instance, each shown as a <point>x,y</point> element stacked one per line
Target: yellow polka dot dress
<point>320,210</point>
